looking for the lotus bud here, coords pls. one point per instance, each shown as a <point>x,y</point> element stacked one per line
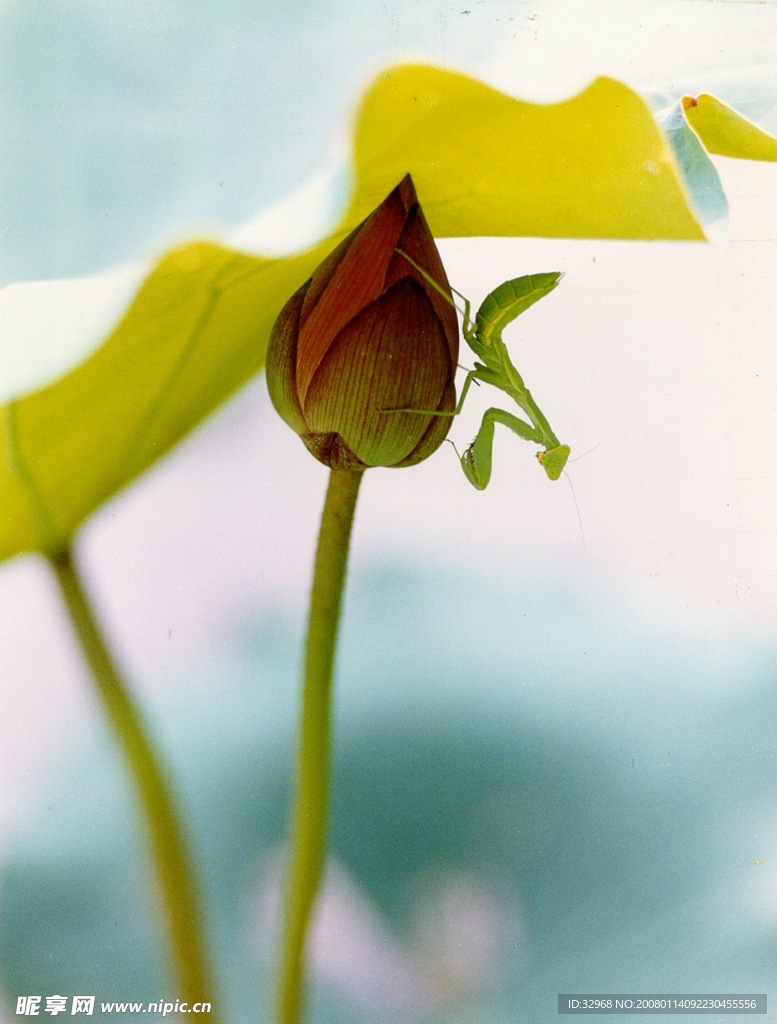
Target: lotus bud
<point>367,341</point>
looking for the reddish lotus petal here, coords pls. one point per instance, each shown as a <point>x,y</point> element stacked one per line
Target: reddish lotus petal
<point>394,355</point>
<point>350,283</point>
<point>416,240</point>
<point>282,362</point>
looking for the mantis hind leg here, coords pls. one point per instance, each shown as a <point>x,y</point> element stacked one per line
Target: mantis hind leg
<point>472,375</point>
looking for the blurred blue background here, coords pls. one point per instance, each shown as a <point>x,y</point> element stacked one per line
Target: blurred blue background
<point>555,737</point>
<point>514,816</point>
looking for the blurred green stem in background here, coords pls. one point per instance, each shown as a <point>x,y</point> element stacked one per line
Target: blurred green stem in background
<point>165,834</point>
<point>311,800</point>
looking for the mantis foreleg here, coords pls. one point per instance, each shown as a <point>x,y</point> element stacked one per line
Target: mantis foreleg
<point>476,460</point>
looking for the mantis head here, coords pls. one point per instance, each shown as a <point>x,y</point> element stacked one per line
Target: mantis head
<point>553,460</point>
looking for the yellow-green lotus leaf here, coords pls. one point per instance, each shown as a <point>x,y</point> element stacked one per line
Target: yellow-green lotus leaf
<point>725,132</point>
<point>195,331</point>
<point>483,164</point>
<point>594,166</point>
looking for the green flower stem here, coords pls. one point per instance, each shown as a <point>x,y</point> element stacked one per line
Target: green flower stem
<point>165,834</point>
<point>311,808</point>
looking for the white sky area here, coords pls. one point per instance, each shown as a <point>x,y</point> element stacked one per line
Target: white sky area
<point>661,46</point>
<point>657,363</point>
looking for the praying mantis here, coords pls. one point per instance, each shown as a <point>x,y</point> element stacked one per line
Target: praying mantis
<point>494,366</point>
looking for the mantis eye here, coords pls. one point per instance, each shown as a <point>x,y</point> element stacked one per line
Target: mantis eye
<point>553,460</point>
